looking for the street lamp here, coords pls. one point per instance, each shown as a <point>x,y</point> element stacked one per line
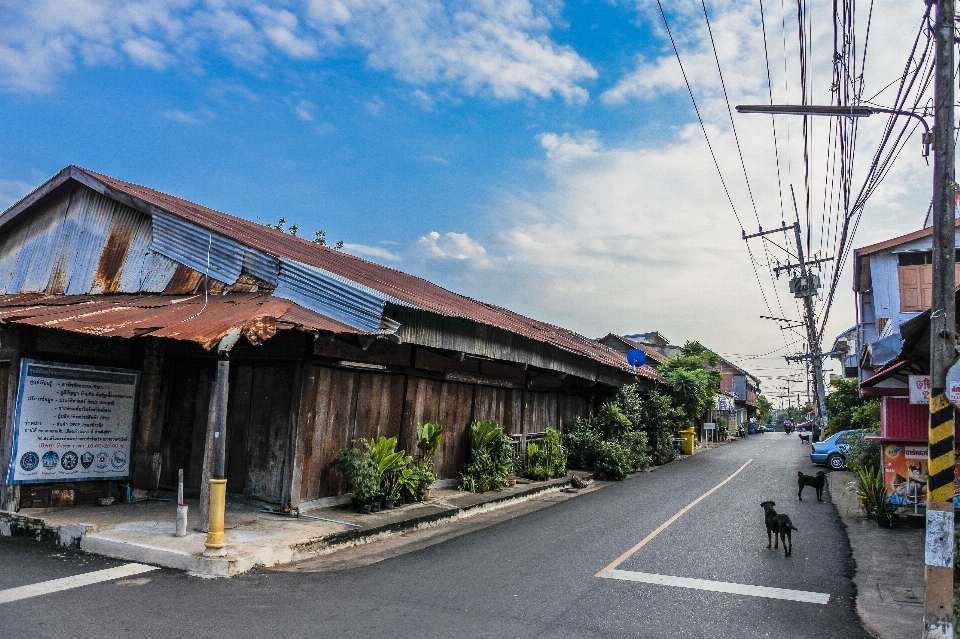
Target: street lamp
<point>836,111</point>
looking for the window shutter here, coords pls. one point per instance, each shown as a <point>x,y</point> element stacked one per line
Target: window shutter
<point>926,286</point>
<point>909,288</point>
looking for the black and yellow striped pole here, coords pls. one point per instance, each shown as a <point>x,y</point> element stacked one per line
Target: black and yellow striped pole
<point>938,619</point>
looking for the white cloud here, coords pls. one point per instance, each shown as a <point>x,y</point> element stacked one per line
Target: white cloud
<point>637,236</point>
<point>376,252</point>
<point>304,109</point>
<point>566,147</point>
<point>449,246</point>
<point>495,48</point>
<point>147,53</point>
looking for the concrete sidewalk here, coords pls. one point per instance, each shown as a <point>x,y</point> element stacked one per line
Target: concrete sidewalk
<point>889,568</point>
<point>143,531</point>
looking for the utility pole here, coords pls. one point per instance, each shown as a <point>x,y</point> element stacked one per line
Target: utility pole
<point>938,620</point>
<point>805,286</point>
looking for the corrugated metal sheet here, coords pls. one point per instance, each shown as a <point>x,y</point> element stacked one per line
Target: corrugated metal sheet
<point>405,289</point>
<point>200,249</point>
<point>340,299</point>
<point>197,318</point>
<point>82,242</point>
<point>902,421</point>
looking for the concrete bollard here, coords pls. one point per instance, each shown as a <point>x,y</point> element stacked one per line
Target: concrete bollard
<point>181,509</point>
<point>181,520</point>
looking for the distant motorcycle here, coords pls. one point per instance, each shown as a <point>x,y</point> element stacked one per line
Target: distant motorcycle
<point>740,431</point>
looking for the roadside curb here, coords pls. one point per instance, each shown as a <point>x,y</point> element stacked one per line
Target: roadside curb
<point>148,546</point>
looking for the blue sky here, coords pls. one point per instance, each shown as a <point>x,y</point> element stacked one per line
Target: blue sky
<point>539,155</point>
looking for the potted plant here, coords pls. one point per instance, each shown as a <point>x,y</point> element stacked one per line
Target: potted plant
<point>872,495</point>
<point>429,438</point>
<point>356,465</point>
<point>390,464</point>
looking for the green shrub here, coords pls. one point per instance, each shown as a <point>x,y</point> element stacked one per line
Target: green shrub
<point>612,461</point>
<point>581,439</point>
<point>862,453</point>
<point>359,469</point>
<point>636,443</point>
<point>548,459</point>
<point>491,458</point>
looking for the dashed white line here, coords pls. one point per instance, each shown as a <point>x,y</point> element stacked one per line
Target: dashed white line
<point>720,586</point>
<point>76,581</point>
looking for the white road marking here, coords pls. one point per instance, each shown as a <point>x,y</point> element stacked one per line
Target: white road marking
<point>643,542</point>
<point>720,586</point>
<point>76,581</point>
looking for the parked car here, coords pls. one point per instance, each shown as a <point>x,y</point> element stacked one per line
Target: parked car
<point>832,451</point>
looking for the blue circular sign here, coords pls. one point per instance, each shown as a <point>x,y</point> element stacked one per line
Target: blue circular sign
<point>636,357</point>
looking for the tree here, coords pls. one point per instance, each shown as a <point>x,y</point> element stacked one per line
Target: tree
<point>694,379</point>
<point>764,408</point>
<point>847,410</point>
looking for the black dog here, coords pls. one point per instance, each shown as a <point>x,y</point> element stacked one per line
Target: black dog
<point>780,526</point>
<point>804,438</point>
<point>817,481</point>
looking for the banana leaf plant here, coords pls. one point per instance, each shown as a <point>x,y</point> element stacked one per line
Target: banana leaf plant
<point>390,465</point>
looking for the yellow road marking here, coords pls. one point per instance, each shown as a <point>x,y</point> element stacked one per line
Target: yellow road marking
<point>619,560</point>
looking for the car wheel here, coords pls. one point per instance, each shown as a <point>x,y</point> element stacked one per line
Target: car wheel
<point>836,462</point>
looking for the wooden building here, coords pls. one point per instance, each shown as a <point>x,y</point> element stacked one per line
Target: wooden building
<point>323,347</point>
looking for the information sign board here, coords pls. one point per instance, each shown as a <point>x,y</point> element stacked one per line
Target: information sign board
<point>919,389</point>
<point>72,422</point>
<point>953,384</point>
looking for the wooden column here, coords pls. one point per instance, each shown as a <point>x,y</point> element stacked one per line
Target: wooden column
<point>10,351</point>
<point>290,495</point>
<point>145,468</point>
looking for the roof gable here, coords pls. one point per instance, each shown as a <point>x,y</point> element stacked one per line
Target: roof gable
<point>346,288</point>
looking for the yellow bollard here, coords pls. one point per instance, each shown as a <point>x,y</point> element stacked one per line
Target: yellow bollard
<point>218,502</point>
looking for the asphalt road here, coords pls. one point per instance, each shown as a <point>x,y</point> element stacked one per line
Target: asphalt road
<point>526,573</point>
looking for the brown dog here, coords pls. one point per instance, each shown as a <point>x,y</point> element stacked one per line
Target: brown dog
<point>780,526</point>
<point>817,481</point>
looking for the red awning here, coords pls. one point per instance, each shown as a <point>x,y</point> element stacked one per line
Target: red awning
<point>868,386</point>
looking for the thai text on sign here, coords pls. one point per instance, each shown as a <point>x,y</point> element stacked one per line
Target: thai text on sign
<point>73,422</point>
<point>919,389</point>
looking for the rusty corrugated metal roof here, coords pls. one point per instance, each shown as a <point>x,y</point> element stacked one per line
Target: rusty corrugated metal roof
<point>408,289</point>
<point>196,318</point>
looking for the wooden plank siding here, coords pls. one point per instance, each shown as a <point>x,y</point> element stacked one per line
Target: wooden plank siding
<point>572,406</point>
<point>185,423</point>
<point>540,411</point>
<point>258,428</point>
<point>337,407</point>
<point>502,405</point>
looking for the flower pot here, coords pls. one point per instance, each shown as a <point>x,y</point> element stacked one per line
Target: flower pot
<point>363,509</point>
<point>426,495</point>
<point>883,521</point>
<point>389,503</point>
<point>512,481</point>
<point>918,521</point>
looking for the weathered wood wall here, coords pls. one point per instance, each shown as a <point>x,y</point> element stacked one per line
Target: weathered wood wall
<point>339,405</point>
<point>185,422</point>
<point>258,428</point>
